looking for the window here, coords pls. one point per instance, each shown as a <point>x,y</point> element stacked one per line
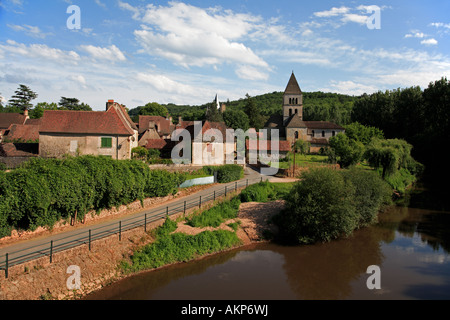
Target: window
<point>323,134</point>
<point>333,133</point>
<point>290,112</point>
<point>107,142</point>
<point>313,133</point>
<point>296,134</point>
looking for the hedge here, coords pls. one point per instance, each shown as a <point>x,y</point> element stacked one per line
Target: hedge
<point>44,191</point>
<point>226,173</point>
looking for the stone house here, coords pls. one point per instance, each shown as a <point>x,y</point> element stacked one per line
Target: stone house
<point>291,126</point>
<point>108,133</point>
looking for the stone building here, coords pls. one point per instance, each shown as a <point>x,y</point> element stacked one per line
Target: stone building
<point>107,133</point>
<point>291,125</point>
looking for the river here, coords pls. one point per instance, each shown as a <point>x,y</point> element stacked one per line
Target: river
<point>410,244</point>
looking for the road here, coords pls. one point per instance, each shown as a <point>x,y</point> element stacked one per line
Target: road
<point>22,251</point>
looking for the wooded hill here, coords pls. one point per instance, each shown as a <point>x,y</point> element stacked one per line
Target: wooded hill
<point>318,106</point>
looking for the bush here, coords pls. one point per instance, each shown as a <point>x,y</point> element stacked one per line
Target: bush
<point>327,204</point>
<point>216,215</point>
<point>226,173</point>
<point>44,191</point>
<point>260,192</point>
<point>371,194</point>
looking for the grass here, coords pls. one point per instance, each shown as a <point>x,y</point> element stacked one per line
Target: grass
<point>266,191</point>
<point>216,215</point>
<point>302,160</point>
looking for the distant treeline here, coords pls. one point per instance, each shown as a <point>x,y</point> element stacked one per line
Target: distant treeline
<point>318,106</point>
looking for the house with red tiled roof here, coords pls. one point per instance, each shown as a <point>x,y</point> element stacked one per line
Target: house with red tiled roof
<point>291,126</point>
<point>107,133</point>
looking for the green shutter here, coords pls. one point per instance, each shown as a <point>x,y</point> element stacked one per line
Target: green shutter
<point>106,142</point>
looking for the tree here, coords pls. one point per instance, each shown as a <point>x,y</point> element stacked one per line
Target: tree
<point>301,146</point>
<point>22,98</point>
<point>236,119</point>
<point>213,114</point>
<point>38,111</point>
<point>364,134</point>
<point>73,104</point>
<point>153,109</point>
<point>348,152</point>
<point>255,119</point>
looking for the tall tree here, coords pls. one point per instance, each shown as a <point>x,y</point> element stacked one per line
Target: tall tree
<point>254,116</point>
<point>73,104</point>
<point>213,114</point>
<point>153,109</point>
<point>22,98</point>
<point>236,119</point>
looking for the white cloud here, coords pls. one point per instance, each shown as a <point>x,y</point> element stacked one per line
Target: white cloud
<point>440,25</point>
<point>165,84</point>
<point>251,73</point>
<point>111,53</point>
<point>429,42</point>
<point>32,31</point>
<point>126,6</point>
<point>415,35</point>
<point>39,51</point>
<point>332,13</point>
<point>195,37</point>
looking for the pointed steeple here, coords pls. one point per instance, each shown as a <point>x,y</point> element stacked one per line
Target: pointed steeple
<point>293,87</point>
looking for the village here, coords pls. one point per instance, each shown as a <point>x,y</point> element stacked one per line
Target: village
<point>114,134</point>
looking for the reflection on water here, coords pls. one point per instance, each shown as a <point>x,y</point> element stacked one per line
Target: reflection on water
<point>410,244</point>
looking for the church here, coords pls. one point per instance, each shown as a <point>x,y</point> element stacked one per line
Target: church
<point>291,125</point>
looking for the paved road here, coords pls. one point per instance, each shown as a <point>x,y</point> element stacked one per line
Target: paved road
<point>44,246</point>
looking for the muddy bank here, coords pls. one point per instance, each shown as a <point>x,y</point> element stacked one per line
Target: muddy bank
<point>39,279</point>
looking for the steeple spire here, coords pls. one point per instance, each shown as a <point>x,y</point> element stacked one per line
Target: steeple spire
<point>293,87</point>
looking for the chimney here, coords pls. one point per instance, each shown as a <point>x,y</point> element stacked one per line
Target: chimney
<point>25,113</point>
<point>109,104</point>
<point>180,120</point>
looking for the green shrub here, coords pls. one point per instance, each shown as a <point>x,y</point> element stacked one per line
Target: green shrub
<point>327,204</point>
<point>372,193</point>
<point>216,215</point>
<point>226,173</point>
<point>261,192</point>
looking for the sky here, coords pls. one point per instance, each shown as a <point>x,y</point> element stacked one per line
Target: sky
<point>186,52</point>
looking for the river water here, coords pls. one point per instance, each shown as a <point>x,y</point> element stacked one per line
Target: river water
<point>410,244</point>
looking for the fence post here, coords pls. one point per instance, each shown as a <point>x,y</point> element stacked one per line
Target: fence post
<point>120,230</point>
<point>51,251</point>
<point>167,211</point>
<point>225,191</point>
<point>184,209</point>
<point>235,186</point>
<point>89,239</point>
<point>247,183</point>
<point>200,203</point>
<point>214,195</point>
<point>145,223</point>
<point>6,266</point>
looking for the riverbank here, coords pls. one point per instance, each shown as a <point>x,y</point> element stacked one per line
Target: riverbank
<point>40,280</point>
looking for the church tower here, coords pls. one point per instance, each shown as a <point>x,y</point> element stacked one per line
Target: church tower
<point>292,100</point>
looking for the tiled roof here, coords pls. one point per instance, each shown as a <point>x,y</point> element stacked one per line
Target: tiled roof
<point>322,125</point>
<point>295,122</point>
<point>7,119</point>
<point>284,146</point>
<point>22,132</point>
<point>164,125</point>
<point>10,150</point>
<point>84,122</point>
<point>293,87</point>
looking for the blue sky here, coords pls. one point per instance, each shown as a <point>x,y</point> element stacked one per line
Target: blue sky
<point>186,52</point>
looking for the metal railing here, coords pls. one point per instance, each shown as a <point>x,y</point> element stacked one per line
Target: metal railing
<point>86,237</point>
